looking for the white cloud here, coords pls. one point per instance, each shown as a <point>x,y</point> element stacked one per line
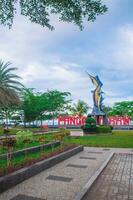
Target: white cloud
<point>30,48</point>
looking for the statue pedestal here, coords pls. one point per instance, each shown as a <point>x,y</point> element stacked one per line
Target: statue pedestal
<point>101,119</point>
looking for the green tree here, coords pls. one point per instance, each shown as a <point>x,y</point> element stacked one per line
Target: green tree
<point>30,105</point>
<point>122,109</point>
<point>9,86</point>
<point>40,11</point>
<point>41,106</point>
<point>58,102</point>
<point>80,108</point>
<point>107,110</point>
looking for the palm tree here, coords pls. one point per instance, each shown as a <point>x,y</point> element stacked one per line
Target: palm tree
<point>80,108</point>
<point>9,86</point>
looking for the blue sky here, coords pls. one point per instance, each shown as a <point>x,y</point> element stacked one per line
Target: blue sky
<point>60,59</point>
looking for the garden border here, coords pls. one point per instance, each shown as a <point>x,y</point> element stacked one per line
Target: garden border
<point>17,177</point>
<point>30,149</point>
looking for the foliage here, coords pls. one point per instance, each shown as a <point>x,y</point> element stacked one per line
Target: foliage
<point>103,129</point>
<point>11,113</point>
<point>107,109</point>
<point>40,11</point>
<point>9,86</point>
<point>8,142</point>
<point>24,136</point>
<point>42,140</point>
<point>79,109</point>
<point>61,135</point>
<point>90,125</point>
<point>21,161</point>
<point>39,106</point>
<point>122,109</point>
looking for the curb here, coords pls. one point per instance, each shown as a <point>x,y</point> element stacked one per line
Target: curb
<point>30,149</point>
<point>21,175</point>
<point>90,182</point>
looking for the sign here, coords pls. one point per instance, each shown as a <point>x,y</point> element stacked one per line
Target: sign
<point>79,121</point>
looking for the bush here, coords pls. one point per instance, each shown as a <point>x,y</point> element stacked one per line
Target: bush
<point>9,142</point>
<point>64,131</point>
<point>24,136</point>
<point>103,129</point>
<point>11,131</point>
<point>90,125</point>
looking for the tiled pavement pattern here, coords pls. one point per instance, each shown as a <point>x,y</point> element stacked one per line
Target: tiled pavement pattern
<point>116,181</point>
<point>40,186</point>
<point>59,178</point>
<point>25,197</point>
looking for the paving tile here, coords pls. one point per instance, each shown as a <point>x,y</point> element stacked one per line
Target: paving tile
<point>96,152</point>
<point>87,158</point>
<point>77,166</point>
<point>25,197</point>
<point>115,182</point>
<point>59,178</point>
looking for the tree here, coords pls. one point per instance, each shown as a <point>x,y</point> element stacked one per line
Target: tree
<point>41,106</point>
<point>122,109</point>
<point>79,109</point>
<point>40,11</point>
<point>58,102</point>
<point>107,110</point>
<point>9,86</point>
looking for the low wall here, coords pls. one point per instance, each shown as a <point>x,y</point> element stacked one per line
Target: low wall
<point>30,149</point>
<point>17,177</point>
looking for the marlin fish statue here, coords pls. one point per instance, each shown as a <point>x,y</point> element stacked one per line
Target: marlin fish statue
<point>97,95</point>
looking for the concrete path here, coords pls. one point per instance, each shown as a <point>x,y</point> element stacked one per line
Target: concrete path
<point>77,133</point>
<point>64,180</point>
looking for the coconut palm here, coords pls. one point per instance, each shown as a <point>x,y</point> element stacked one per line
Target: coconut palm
<point>80,108</point>
<point>9,86</point>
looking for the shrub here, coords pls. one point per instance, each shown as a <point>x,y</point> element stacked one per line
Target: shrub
<point>64,131</point>
<point>24,136</point>
<point>8,142</point>
<point>103,129</point>
<point>90,125</point>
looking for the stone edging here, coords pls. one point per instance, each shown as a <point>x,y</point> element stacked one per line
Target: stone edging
<point>88,185</point>
<point>17,177</point>
<point>30,149</point>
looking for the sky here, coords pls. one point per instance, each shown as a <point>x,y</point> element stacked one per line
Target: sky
<point>59,59</point>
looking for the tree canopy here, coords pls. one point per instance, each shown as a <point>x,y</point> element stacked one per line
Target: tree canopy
<point>9,85</point>
<point>122,109</point>
<point>80,108</point>
<point>40,11</point>
<point>47,105</point>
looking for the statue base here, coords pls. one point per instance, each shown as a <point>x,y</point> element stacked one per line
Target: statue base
<point>101,118</point>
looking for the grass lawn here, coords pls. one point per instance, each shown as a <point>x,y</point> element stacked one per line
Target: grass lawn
<point>121,139</point>
<point>35,142</point>
<point>21,159</point>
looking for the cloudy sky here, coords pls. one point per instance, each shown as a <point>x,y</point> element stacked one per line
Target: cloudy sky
<point>60,59</point>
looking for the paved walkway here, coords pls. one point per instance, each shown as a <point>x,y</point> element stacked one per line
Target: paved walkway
<point>64,180</point>
<point>116,181</point>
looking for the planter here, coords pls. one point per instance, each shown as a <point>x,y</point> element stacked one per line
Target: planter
<point>17,177</point>
<point>30,150</point>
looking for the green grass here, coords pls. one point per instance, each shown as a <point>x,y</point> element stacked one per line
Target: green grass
<point>118,139</point>
<point>19,160</point>
<point>35,142</point>
<point>14,130</point>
